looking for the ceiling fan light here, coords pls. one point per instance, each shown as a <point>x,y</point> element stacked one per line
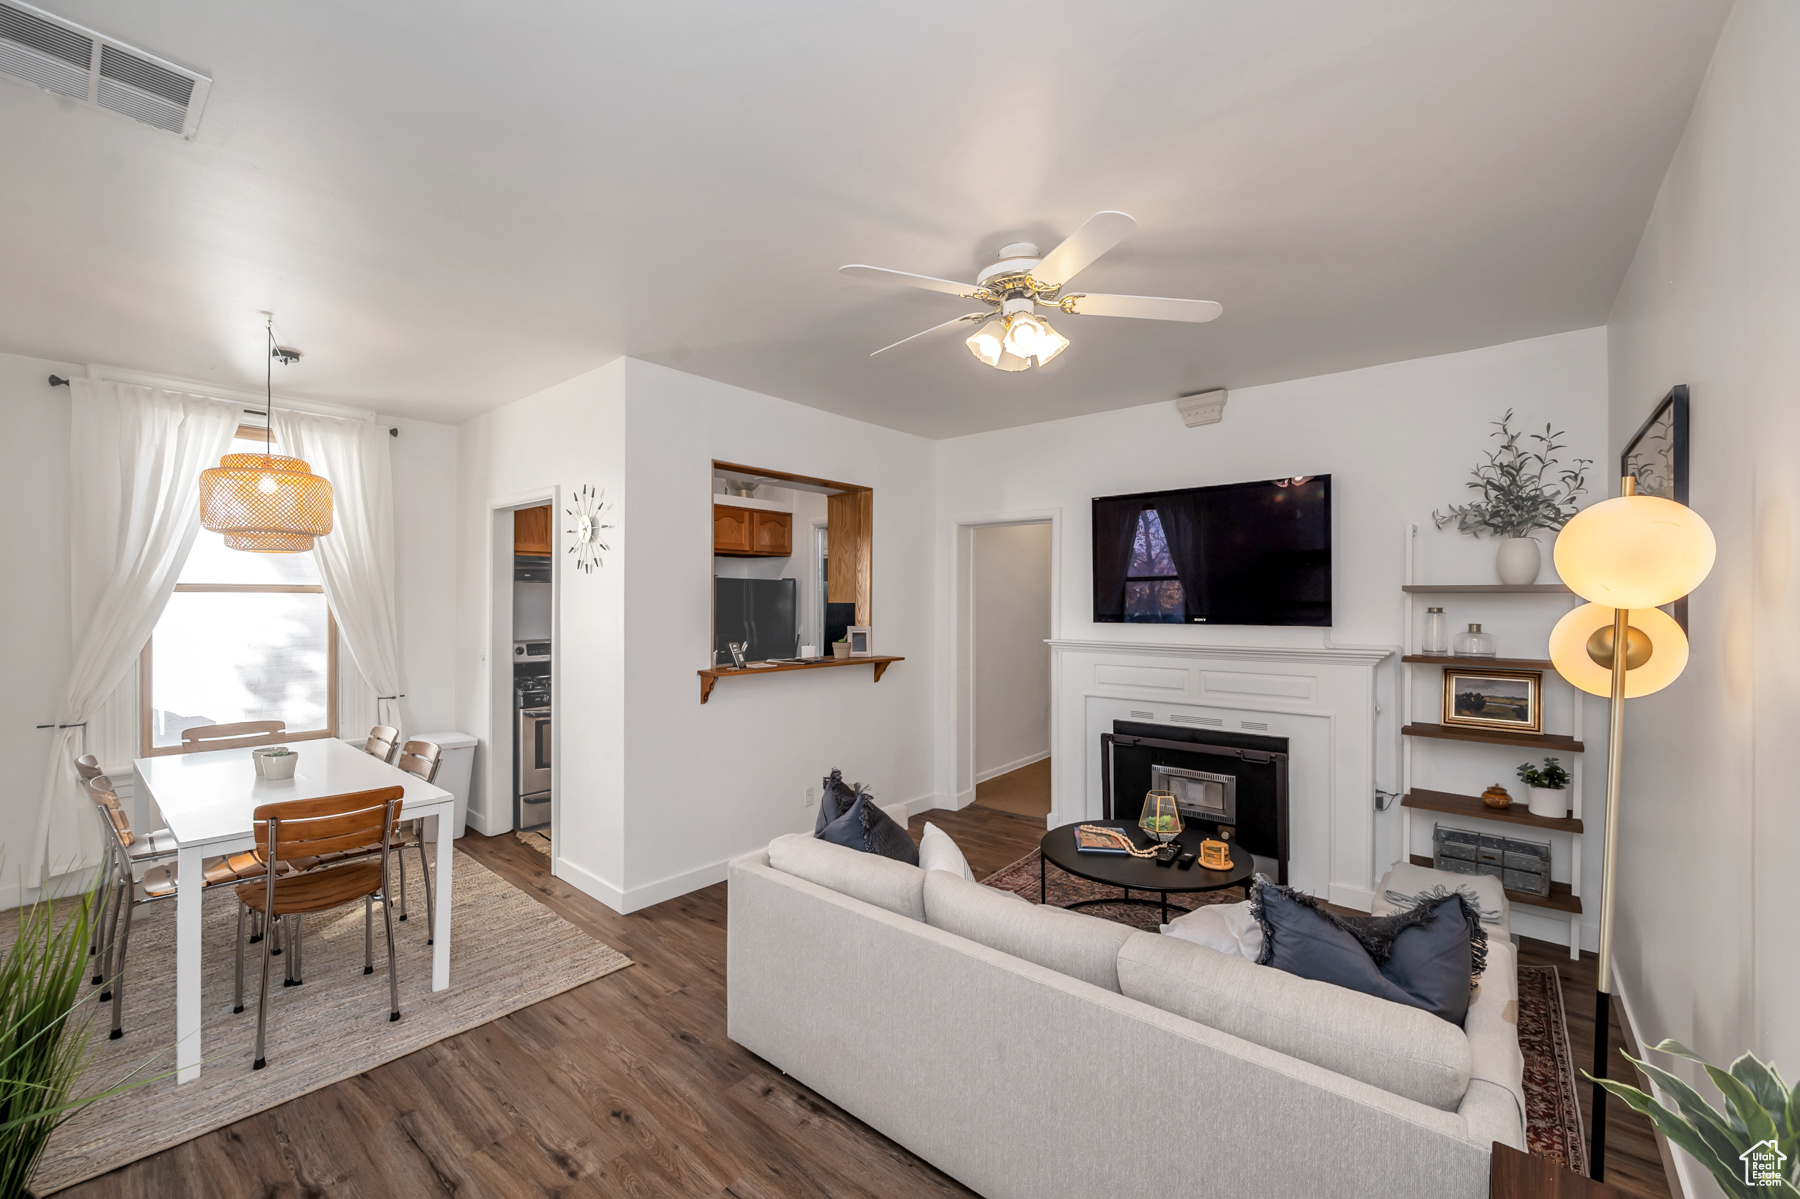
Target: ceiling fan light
<point>1024,334</point>
<point>1012,362</point>
<point>984,343</point>
<point>1050,343</point>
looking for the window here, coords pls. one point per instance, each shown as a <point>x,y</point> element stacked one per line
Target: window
<point>1152,590</point>
<point>245,637</point>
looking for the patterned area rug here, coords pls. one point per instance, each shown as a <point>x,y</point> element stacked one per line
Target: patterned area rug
<point>535,840</point>
<point>1553,1125</point>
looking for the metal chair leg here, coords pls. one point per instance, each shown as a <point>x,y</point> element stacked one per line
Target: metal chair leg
<point>387,917</point>
<point>262,999</point>
<point>368,934</point>
<point>237,995</point>
<point>121,898</point>
<point>256,928</point>
<point>105,893</point>
<point>400,861</point>
<point>118,982</point>
<point>100,934</point>
<point>430,903</point>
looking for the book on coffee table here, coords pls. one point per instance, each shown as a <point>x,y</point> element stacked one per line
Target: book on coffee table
<point>1091,838</point>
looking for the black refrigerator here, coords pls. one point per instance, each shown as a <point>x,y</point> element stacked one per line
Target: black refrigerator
<point>762,612</point>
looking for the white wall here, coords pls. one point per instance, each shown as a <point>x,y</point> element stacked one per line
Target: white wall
<point>1012,663</point>
<point>1713,300</point>
<point>705,783</point>
<point>424,465</point>
<point>1398,441</point>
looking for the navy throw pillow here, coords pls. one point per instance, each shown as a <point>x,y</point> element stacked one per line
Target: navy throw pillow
<point>865,827</point>
<point>1425,957</point>
<point>835,799</point>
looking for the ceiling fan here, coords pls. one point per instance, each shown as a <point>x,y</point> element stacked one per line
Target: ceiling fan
<point>1010,334</point>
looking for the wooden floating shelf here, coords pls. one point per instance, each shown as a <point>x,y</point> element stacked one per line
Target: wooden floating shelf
<point>1560,899</point>
<point>1472,807</point>
<point>1442,732</point>
<point>709,677</point>
<point>1486,589</point>
<point>1498,663</point>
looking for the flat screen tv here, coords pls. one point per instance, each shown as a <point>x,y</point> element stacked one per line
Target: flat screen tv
<point>1240,553</point>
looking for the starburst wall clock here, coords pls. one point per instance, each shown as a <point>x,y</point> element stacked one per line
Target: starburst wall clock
<point>587,541</point>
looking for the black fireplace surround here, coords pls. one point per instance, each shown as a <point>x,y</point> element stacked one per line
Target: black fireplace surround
<point>1260,765</point>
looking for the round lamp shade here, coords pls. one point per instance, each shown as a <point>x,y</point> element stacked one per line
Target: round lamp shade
<point>1634,551</point>
<point>266,504</point>
<point>1569,650</point>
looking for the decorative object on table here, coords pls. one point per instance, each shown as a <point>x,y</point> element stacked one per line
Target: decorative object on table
<point>1094,838</point>
<point>861,639</point>
<point>1425,957</point>
<point>1473,643</point>
<point>587,530</point>
<point>1631,554</point>
<point>808,652</point>
<point>1435,638</point>
<point>266,503</point>
<point>1545,788</point>
<point>1161,818</point>
<point>1215,855</point>
<point>736,649</point>
<point>1752,1148</point>
<point>1507,700</point>
<point>278,764</point>
<point>1497,797</point>
<point>840,650</point>
<point>1519,865</point>
<point>1656,457</point>
<point>1518,498</point>
<point>864,826</point>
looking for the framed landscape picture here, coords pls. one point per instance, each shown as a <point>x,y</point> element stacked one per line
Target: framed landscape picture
<point>1656,457</point>
<point>1497,700</point>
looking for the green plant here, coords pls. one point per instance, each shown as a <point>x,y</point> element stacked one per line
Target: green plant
<point>1760,1113</point>
<point>1552,776</point>
<point>1515,498</point>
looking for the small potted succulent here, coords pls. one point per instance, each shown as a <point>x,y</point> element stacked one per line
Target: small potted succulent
<point>279,763</point>
<point>1546,788</point>
<point>1521,493</point>
<point>840,649</point>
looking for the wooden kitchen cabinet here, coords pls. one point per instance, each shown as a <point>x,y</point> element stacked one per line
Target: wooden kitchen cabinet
<point>731,530</point>
<point>752,532</point>
<point>531,530</point>
<point>772,533</point>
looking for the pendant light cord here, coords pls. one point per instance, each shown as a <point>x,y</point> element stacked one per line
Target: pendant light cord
<point>269,387</point>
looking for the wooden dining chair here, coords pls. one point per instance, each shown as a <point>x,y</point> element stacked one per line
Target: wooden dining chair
<point>88,767</point>
<point>307,830</point>
<point>233,736</point>
<point>381,742</point>
<point>139,870</point>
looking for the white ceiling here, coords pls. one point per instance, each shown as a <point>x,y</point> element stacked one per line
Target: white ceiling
<point>449,206</point>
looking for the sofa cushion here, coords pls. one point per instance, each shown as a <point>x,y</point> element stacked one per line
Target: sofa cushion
<point>869,877</point>
<point>938,852</point>
<point>1492,1026</point>
<point>835,798</point>
<point>1083,947</point>
<point>865,826</point>
<point>1399,1049</point>
<point>1302,940</point>
<point>1226,927</point>
<point>1433,961</point>
<point>1405,884</point>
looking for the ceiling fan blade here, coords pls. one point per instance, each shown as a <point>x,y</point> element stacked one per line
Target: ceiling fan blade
<point>1100,233</point>
<point>966,319</point>
<point>907,279</point>
<point>1150,308</point>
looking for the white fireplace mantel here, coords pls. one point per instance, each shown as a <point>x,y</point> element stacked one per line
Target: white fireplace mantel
<point>1322,699</point>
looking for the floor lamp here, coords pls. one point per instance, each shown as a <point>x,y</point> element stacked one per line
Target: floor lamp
<point>1627,556</point>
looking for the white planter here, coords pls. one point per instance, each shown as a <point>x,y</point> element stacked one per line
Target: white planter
<point>276,768</point>
<point>1551,802</point>
<point>1518,561</point>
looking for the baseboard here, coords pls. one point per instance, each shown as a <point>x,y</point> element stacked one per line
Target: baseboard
<point>1351,897</point>
<point>587,882</point>
<point>963,800</point>
<point>1678,1169</point>
<point>984,775</point>
<point>489,828</point>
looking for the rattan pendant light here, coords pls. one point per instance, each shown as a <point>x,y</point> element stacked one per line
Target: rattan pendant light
<point>265,503</point>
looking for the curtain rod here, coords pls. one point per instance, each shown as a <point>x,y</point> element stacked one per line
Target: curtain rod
<point>59,381</point>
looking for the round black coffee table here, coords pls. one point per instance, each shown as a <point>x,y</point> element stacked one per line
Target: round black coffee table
<point>1140,874</point>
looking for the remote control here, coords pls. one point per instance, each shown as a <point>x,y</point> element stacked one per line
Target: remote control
<point>1185,861</point>
<point>1167,854</point>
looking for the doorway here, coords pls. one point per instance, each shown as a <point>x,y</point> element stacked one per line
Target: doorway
<point>1011,585</point>
<point>518,793</point>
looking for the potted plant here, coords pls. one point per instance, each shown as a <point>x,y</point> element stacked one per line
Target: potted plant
<point>279,763</point>
<point>1752,1149</point>
<point>1522,491</point>
<point>840,649</point>
<point>1544,788</point>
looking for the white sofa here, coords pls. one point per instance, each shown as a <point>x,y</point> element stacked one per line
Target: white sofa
<point>1033,1052</point>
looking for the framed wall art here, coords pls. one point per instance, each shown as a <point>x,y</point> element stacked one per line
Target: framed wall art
<point>1657,458</point>
<point>1498,700</point>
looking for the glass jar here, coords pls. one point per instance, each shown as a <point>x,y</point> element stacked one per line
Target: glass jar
<point>1475,644</point>
<point>1435,639</point>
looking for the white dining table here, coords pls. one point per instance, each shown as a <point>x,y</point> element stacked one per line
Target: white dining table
<point>206,800</point>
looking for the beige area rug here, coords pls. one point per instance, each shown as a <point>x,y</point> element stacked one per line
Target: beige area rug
<point>1023,792</point>
<point>507,951</point>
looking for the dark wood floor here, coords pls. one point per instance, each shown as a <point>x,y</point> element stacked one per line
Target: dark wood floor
<point>628,1085</point>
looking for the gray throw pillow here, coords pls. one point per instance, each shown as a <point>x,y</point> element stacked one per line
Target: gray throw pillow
<point>864,826</point>
<point>1424,957</point>
<point>835,799</point>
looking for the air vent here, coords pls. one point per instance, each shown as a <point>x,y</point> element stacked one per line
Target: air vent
<point>1136,715</point>
<point>1258,725</point>
<point>1178,718</point>
<point>62,57</point>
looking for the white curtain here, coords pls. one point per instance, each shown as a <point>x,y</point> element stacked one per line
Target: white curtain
<point>356,561</point>
<point>135,457</point>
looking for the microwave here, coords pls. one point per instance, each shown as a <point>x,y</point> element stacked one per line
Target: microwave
<point>531,651</point>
